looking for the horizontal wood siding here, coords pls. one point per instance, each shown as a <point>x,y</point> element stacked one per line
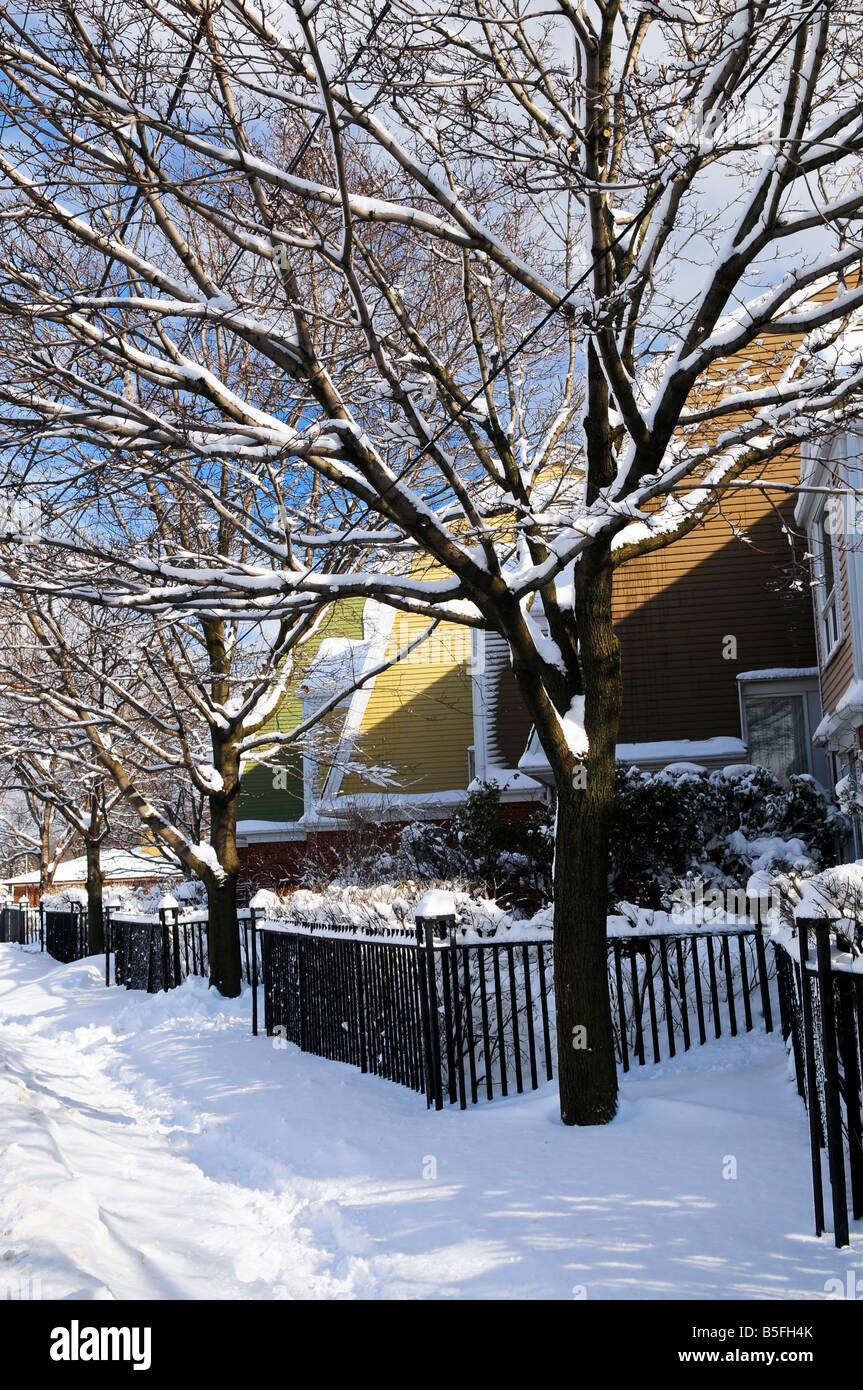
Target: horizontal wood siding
<point>838,672</point>
<point>507,721</point>
<point>260,798</point>
<point>837,676</point>
<point>737,576</point>
<point>419,717</point>
<point>717,602</point>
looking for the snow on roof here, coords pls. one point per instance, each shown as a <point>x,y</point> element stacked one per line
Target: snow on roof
<point>670,751</point>
<point>848,710</point>
<point>680,749</point>
<point>337,664</point>
<point>116,864</point>
<point>779,673</point>
<point>340,661</point>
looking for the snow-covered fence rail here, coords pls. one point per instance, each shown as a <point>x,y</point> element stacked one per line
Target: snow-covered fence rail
<point>21,924</point>
<point>821,1012</point>
<point>461,1017</point>
<point>159,951</point>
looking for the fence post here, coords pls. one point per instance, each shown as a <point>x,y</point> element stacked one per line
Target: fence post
<point>301,992</point>
<point>763,980</point>
<point>813,1104</point>
<point>106,912</point>
<point>832,1105</point>
<point>257,901</point>
<point>457,1014</point>
<point>846,1025</point>
<point>361,1005</point>
<point>168,904</point>
<point>430,925</point>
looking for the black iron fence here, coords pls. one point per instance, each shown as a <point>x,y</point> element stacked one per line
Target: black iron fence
<point>821,1010</point>
<point>459,1018</point>
<point>65,933</point>
<point>673,991</point>
<point>452,1015</point>
<point>61,931</point>
<point>21,924</point>
<point>158,952</point>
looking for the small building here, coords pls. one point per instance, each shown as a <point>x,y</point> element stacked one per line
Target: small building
<point>122,868</point>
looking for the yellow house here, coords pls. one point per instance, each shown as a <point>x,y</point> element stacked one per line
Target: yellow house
<point>402,747</point>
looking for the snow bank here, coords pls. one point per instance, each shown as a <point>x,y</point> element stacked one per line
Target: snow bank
<point>156,1150</point>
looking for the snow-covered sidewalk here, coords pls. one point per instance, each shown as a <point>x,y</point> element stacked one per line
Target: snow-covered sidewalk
<point>151,1148</point>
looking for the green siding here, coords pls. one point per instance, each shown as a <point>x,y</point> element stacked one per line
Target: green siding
<point>259,798</point>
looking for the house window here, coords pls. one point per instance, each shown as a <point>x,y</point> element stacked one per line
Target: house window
<point>777,733</point>
<point>826,569</point>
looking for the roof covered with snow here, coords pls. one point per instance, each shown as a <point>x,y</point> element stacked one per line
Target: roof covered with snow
<point>117,864</point>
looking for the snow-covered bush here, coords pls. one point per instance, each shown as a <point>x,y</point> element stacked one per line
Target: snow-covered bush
<point>478,850</point>
<point>671,829</point>
<point>850,794</point>
<point>189,893</point>
<point>835,893</point>
<point>684,825</point>
<point>63,898</point>
<point>383,907</point>
<point>507,859</point>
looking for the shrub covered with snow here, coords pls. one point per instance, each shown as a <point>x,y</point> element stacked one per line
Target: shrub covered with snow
<point>510,860</point>
<point>64,898</point>
<point>383,907</point>
<point>685,823</point>
<point>478,850</point>
<point>190,894</point>
<point>670,829</point>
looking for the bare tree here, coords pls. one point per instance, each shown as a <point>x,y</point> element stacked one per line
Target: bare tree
<point>449,227</point>
<point>157,707</point>
<point>59,784</point>
<point>29,827</point>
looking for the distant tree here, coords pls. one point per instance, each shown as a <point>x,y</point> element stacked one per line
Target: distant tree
<point>29,828</point>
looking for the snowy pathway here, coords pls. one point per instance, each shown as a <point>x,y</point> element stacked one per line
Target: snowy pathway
<point>151,1148</point>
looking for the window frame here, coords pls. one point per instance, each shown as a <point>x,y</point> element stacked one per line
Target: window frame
<point>828,606</point>
<point>801,687</point>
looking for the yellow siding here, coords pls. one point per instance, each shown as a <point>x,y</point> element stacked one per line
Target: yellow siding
<point>419,716</point>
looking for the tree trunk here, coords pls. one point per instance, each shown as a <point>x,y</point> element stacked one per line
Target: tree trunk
<point>585,1037</point>
<point>587,1068</point>
<point>47,868</point>
<point>223,936</point>
<point>95,911</point>
<point>224,930</point>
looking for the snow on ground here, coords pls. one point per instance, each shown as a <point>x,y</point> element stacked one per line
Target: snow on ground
<point>154,1149</point>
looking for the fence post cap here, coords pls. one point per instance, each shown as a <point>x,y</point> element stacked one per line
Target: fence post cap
<point>168,903</point>
<point>264,900</point>
<point>437,902</point>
